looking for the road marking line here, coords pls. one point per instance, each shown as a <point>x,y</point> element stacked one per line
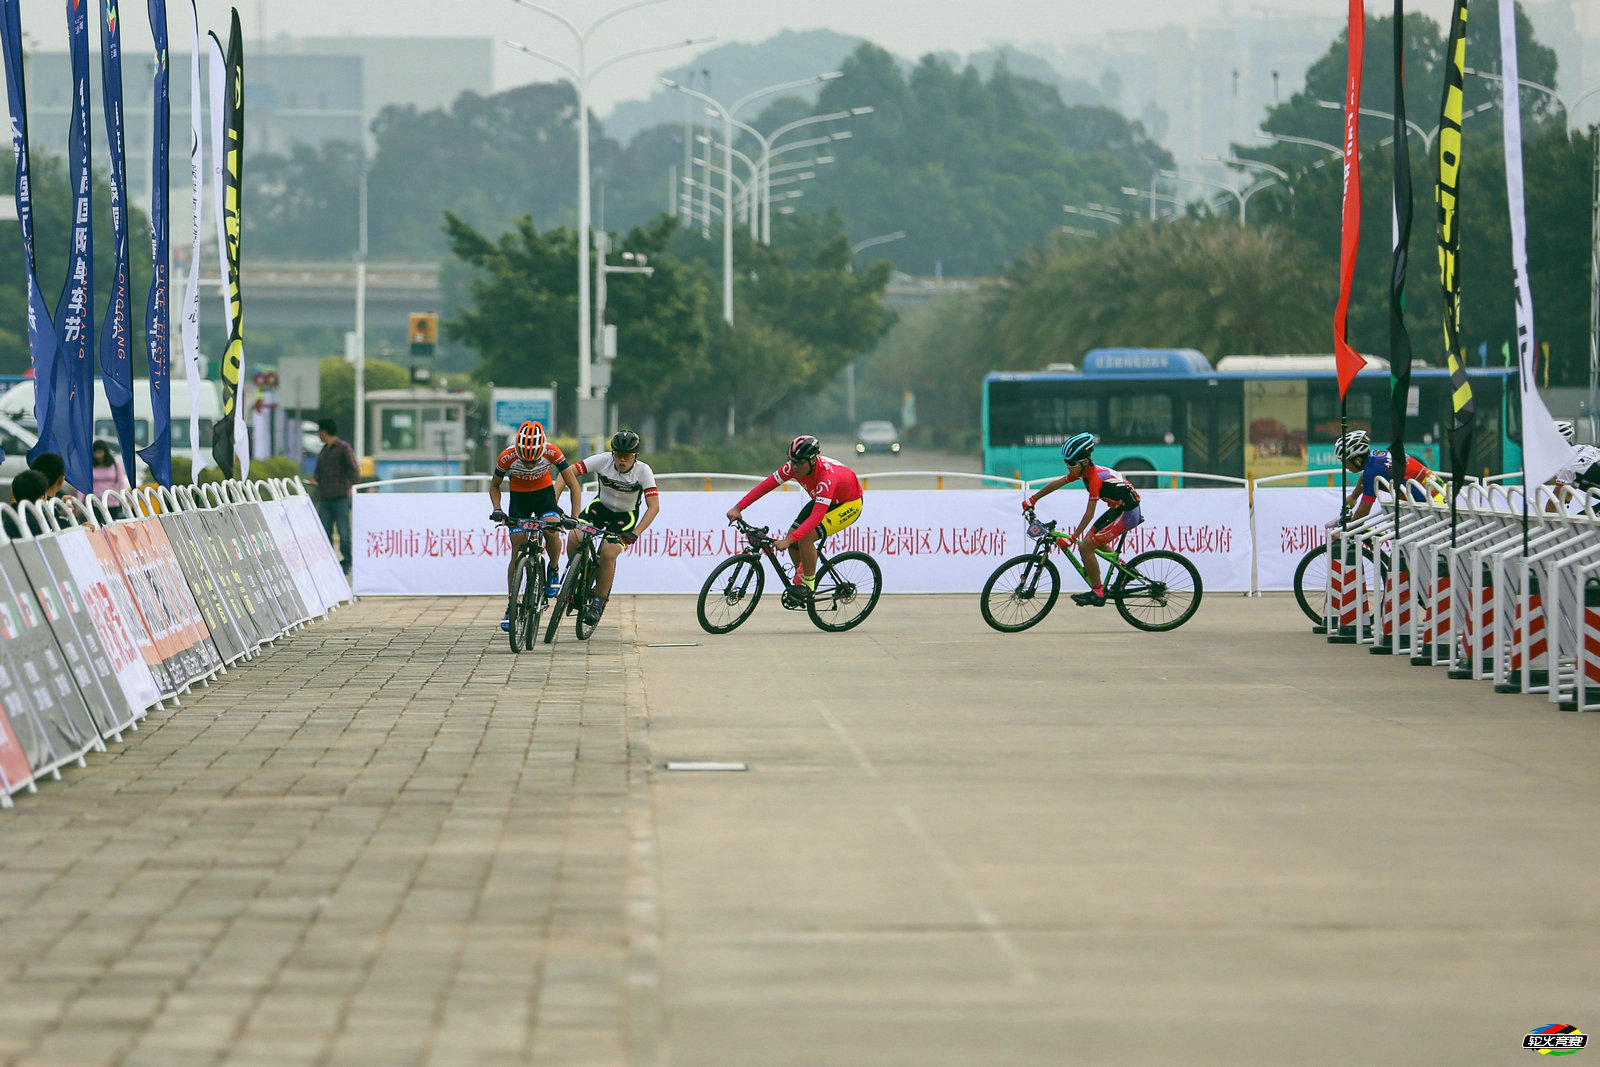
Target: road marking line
<point>844,737</point>
<point>1021,972</point>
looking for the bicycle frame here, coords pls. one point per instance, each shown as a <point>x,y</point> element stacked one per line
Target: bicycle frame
<point>1049,537</point>
<point>761,543</point>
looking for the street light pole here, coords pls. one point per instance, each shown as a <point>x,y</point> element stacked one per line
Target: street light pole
<point>1567,106</point>
<point>580,77</point>
<point>360,367</point>
<point>1230,190</point>
<point>1128,190</point>
<point>727,114</point>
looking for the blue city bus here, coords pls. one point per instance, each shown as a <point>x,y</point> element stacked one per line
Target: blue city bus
<point>1247,417</point>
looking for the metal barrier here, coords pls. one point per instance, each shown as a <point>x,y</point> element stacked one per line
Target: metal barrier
<point>1508,594</point>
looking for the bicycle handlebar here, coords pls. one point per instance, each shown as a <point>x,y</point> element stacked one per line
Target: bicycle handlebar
<point>757,535</point>
<point>565,522</point>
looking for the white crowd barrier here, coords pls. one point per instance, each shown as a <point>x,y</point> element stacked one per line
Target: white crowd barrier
<point>1242,539</point>
<point>1508,594</point>
<point>103,619</point>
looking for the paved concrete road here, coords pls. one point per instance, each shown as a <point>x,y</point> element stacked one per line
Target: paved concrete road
<point>390,841</point>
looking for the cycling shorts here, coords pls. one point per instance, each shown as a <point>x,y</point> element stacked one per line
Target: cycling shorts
<point>597,514</point>
<point>1589,478</point>
<point>834,519</point>
<point>532,504</point>
<point>1114,523</point>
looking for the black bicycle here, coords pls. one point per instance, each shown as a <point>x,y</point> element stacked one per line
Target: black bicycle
<point>1156,590</point>
<point>847,588</point>
<point>578,584</point>
<point>528,597</point>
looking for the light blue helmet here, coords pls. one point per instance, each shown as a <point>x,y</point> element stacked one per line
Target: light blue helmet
<point>1077,448</point>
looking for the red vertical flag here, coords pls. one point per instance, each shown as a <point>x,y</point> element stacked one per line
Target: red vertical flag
<point>1349,362</point>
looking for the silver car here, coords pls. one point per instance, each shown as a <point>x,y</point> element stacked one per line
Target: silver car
<point>877,436</point>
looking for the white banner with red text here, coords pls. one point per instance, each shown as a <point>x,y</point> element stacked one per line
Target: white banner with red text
<point>933,541</point>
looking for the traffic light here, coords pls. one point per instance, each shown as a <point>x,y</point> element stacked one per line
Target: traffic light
<point>424,332</point>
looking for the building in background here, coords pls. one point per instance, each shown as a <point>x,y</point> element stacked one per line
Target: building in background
<point>298,90</point>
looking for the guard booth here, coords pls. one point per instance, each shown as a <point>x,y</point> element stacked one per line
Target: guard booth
<point>413,433</point>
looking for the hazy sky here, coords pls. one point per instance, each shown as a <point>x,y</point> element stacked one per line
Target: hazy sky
<point>908,27</point>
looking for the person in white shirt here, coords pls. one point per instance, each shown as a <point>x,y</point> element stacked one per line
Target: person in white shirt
<point>625,483</point>
<point>1581,472</point>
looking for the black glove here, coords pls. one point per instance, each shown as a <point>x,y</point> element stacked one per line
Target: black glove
<point>628,538</point>
<point>497,515</point>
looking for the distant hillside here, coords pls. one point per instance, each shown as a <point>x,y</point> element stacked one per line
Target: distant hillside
<point>729,71</point>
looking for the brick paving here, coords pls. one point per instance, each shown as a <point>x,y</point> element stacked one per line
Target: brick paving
<point>387,840</point>
<point>390,841</point>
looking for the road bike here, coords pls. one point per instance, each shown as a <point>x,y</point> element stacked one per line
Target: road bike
<point>528,597</point>
<point>847,588</point>
<point>1156,590</point>
<point>577,586</point>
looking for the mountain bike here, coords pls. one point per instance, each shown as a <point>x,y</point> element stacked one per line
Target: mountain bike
<point>1156,590</point>
<point>577,585</point>
<point>527,599</point>
<point>847,589</point>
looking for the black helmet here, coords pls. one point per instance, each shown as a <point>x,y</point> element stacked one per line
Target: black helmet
<point>625,441</point>
<point>804,447</point>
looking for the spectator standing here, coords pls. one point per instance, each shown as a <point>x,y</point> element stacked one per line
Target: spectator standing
<point>108,475</point>
<point>335,478</point>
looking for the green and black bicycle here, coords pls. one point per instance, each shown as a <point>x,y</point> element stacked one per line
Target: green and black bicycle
<point>1156,590</point>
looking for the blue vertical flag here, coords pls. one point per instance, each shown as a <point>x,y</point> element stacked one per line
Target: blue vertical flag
<point>116,340</point>
<point>157,316</point>
<point>1399,339</point>
<point>41,331</point>
<point>70,427</point>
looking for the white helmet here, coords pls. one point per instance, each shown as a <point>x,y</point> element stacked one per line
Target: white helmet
<point>1356,444</point>
<point>1567,430</point>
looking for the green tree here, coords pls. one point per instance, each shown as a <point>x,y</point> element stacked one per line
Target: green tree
<point>521,312</point>
<point>305,203</point>
<point>52,232</point>
<point>1208,284</point>
<point>338,389</point>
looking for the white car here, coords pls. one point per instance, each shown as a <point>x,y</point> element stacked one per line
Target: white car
<point>877,436</point>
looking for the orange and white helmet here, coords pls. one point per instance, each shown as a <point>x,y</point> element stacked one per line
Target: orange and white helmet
<point>530,441</point>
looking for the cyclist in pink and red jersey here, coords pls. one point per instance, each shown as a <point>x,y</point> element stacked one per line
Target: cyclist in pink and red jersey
<point>835,503</point>
<point>1121,515</point>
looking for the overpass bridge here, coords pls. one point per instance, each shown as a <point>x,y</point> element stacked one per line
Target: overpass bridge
<point>287,292</point>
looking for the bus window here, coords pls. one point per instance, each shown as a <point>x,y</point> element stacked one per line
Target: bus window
<point>1360,411</point>
<point>1024,414</point>
<point>1140,419</point>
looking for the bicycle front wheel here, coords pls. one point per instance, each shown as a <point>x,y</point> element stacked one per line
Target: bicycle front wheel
<point>1311,579</point>
<point>847,590</point>
<point>730,593</point>
<point>1020,592</point>
<point>563,601</point>
<point>1157,591</point>
<point>532,600</point>
<point>583,627</point>
<point>517,609</point>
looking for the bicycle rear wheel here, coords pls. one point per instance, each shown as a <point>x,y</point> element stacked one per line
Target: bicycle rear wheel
<point>563,601</point>
<point>847,590</point>
<point>1157,591</point>
<point>730,594</point>
<point>1020,593</point>
<point>517,609</point>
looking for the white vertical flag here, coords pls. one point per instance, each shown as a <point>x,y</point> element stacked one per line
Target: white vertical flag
<point>191,293</point>
<point>1544,450</point>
